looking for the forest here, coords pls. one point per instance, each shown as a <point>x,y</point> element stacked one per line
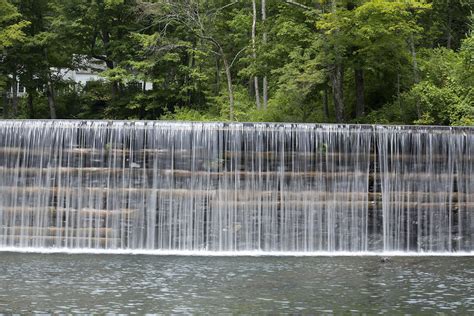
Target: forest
<point>337,61</point>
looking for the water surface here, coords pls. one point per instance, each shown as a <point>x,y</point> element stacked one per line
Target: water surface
<point>76,283</point>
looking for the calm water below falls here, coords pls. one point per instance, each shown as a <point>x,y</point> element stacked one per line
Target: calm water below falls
<point>173,284</point>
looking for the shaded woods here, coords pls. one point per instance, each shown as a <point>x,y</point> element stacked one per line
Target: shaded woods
<point>376,61</point>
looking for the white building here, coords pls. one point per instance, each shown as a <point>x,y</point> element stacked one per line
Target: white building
<point>89,70</point>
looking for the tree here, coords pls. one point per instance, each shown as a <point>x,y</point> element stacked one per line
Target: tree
<point>444,93</point>
<point>291,58</point>
<point>273,60</point>
<point>254,51</point>
<point>373,37</point>
<point>12,26</point>
<point>104,29</point>
<point>206,22</point>
<point>264,42</point>
<point>448,23</point>
<point>11,33</point>
<point>28,61</point>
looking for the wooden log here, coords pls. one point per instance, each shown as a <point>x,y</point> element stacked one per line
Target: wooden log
<point>337,204</point>
<point>94,240</point>
<point>288,204</point>
<point>238,194</point>
<point>323,156</point>
<point>27,209</point>
<point>181,173</point>
<point>99,212</point>
<point>19,210</point>
<point>276,202</point>
<point>65,191</point>
<point>414,196</point>
<point>203,154</point>
<point>56,230</point>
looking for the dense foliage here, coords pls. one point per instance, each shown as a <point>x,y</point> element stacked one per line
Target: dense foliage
<point>360,61</point>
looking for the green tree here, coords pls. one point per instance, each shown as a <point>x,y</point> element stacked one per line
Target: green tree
<point>388,61</point>
<point>448,23</point>
<point>11,33</point>
<point>11,24</point>
<point>444,95</point>
<point>103,30</point>
<point>45,50</point>
<point>371,39</point>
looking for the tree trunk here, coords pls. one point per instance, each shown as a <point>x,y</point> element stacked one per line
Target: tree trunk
<point>359,84</point>
<point>450,19</point>
<point>115,86</point>
<point>189,81</point>
<point>50,94</point>
<point>229,85</point>
<point>218,76</point>
<point>254,51</point>
<point>416,78</point>
<point>265,92</point>
<point>49,87</point>
<point>398,91</point>
<point>15,95</point>
<point>109,63</point>
<point>5,103</point>
<point>31,109</point>
<point>337,78</point>
<point>326,104</point>
<point>264,40</point>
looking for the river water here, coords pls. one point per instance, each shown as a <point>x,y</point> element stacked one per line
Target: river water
<point>79,283</point>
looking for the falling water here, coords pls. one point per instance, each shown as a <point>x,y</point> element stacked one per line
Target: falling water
<point>235,187</point>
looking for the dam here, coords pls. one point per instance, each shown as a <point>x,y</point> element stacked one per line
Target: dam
<point>234,187</point>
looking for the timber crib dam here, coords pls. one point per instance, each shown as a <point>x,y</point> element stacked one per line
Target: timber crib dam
<point>236,186</point>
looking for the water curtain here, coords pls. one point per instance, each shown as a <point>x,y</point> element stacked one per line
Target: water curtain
<point>236,186</point>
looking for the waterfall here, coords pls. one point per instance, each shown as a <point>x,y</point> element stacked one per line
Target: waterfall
<point>236,186</point>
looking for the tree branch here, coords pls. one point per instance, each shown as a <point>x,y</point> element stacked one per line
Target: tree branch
<point>300,5</point>
<point>166,48</point>
<point>237,55</point>
<point>222,8</point>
